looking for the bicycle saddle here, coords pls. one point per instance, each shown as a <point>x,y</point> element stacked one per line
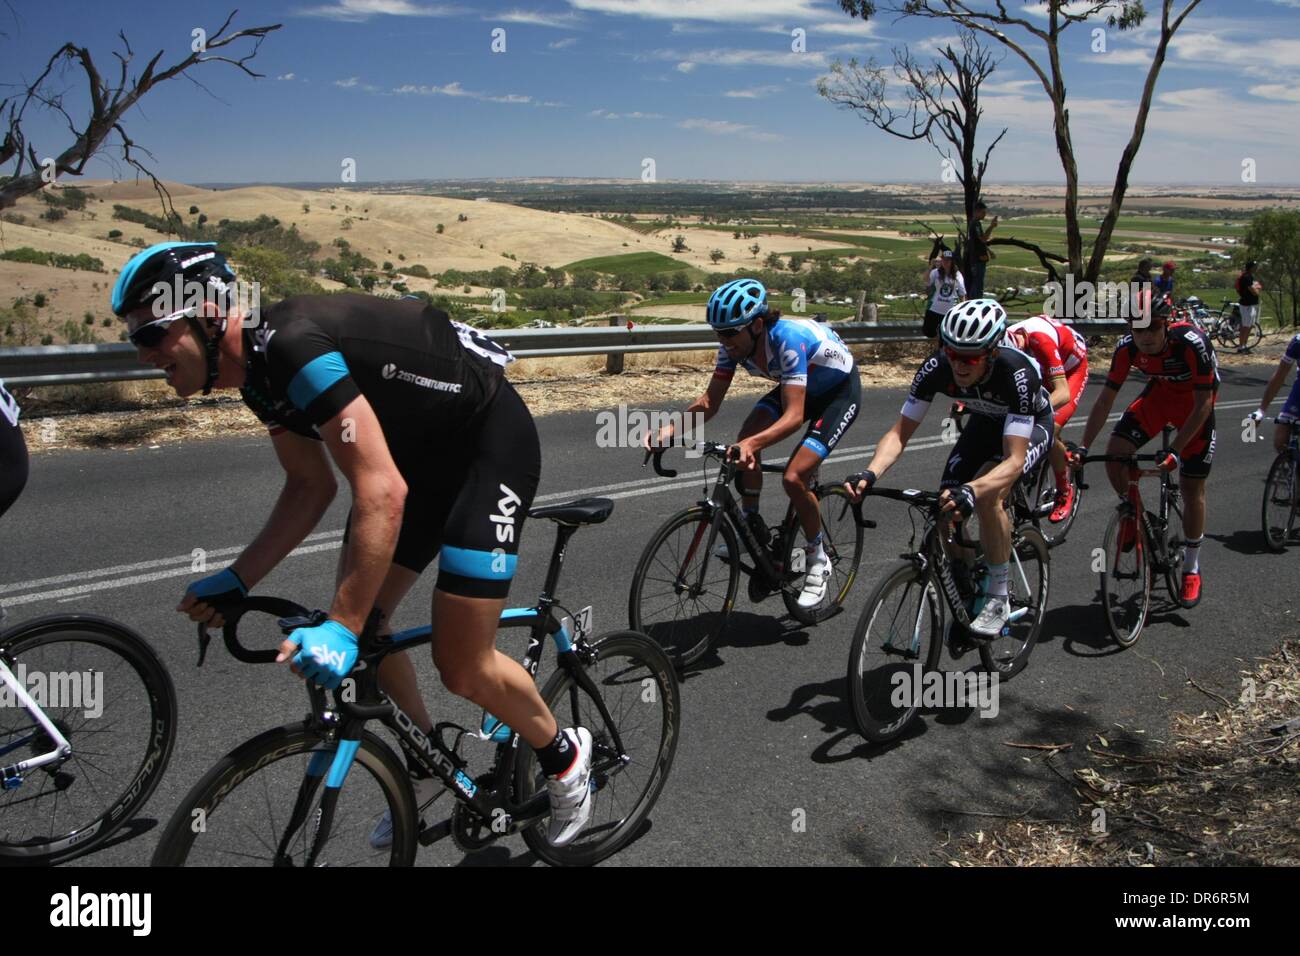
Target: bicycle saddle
<point>582,511</point>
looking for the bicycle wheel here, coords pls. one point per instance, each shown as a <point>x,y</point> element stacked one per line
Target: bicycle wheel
<point>1174,542</point>
<point>1028,582</point>
<point>243,809</point>
<point>1256,334</point>
<point>842,537</point>
<point>682,610</point>
<point>1055,532</point>
<point>112,699</point>
<point>637,683</point>
<point>1126,577</point>
<point>899,636</point>
<point>1281,505</point>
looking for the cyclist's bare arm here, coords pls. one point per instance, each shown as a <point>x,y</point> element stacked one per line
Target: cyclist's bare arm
<point>309,487</point>
<point>891,445</point>
<point>1274,384</point>
<point>1059,389</point>
<point>706,405</point>
<point>792,401</point>
<point>1202,407</point>
<point>1001,477</point>
<point>1100,412</point>
<point>356,442</point>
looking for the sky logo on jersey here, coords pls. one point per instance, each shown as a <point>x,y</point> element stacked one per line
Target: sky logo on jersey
<point>331,659</point>
<point>391,371</point>
<point>505,516</point>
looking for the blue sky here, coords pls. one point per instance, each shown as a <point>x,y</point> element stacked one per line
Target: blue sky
<point>710,89</point>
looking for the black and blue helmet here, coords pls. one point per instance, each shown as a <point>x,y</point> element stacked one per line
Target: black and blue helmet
<point>736,303</point>
<point>193,261</point>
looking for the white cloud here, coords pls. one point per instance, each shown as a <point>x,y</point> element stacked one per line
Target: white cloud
<point>724,11</point>
<point>456,90</point>
<point>1073,8</point>
<point>685,67</point>
<point>688,60</point>
<point>560,21</point>
<point>356,11</point>
<point>728,128</point>
<point>753,93</point>
<point>563,44</point>
<point>606,114</point>
<point>1263,55</point>
<point>1130,56</point>
<point>353,82</point>
<point>1288,92</point>
<point>285,76</point>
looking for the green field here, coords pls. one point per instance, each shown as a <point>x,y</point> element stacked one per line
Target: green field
<point>633,263</point>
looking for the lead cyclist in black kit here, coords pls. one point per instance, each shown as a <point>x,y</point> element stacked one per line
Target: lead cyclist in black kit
<point>442,457</point>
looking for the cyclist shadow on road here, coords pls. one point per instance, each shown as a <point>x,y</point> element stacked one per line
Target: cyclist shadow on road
<point>746,631</point>
<point>1082,627</point>
<point>1242,541</point>
<point>504,854</point>
<point>824,702</point>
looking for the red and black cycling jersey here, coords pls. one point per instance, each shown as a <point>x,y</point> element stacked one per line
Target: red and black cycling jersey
<point>424,375</point>
<point>1187,363</point>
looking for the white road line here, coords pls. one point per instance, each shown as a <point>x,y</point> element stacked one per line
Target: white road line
<point>180,565</point>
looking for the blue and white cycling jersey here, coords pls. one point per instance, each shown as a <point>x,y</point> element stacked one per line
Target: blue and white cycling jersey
<point>799,352</point>
<point>8,406</point>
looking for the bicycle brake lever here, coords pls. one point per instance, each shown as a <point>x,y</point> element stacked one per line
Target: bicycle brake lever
<point>205,638</point>
<point>658,455</point>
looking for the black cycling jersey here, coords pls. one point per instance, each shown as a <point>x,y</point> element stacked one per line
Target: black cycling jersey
<point>1011,392</point>
<point>424,375</point>
<point>13,452</point>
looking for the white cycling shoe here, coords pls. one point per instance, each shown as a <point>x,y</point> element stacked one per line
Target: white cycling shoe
<point>571,799</point>
<point>992,617</point>
<point>427,789</point>
<point>815,581</point>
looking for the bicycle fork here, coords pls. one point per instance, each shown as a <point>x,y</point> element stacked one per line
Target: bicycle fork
<point>11,776</point>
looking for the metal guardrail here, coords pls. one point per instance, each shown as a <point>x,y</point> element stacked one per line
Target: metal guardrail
<point>85,364</point>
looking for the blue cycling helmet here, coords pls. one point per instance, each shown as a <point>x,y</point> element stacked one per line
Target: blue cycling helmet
<point>736,303</point>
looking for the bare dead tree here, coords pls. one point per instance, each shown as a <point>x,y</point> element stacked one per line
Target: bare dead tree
<point>940,106</point>
<point>109,100</point>
<point>1121,14</point>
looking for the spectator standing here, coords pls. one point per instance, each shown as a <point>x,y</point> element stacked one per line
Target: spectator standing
<point>1248,290</point>
<point>945,287</point>
<point>980,252</point>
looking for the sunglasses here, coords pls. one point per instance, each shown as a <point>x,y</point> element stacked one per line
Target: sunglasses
<point>151,334</point>
<point>730,333</point>
<point>963,358</point>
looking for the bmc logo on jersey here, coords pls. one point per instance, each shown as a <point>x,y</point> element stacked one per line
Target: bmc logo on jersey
<point>391,371</point>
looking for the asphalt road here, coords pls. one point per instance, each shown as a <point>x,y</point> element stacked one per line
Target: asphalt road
<point>765,731</point>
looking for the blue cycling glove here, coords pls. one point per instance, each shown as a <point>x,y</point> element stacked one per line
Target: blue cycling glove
<point>326,652</point>
<point>221,589</point>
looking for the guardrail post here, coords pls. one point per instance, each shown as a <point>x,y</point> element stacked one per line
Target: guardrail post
<point>614,360</point>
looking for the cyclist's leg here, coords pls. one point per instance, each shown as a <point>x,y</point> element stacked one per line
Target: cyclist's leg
<point>476,564</point>
<point>979,444</point>
<point>1078,380</point>
<point>830,418</point>
<point>765,411</point>
<point>1289,415</point>
<point>13,463</point>
<point>1198,456</point>
<point>1140,421</point>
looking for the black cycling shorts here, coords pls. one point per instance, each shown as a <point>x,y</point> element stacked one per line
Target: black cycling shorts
<point>467,505</point>
<point>829,414</point>
<point>981,442</point>
<point>13,463</point>
<point>1147,416</point>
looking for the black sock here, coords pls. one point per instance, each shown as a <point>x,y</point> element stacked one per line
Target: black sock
<point>557,756</point>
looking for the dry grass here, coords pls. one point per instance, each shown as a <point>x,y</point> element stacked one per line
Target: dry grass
<point>140,414</point>
<point>1223,793</point>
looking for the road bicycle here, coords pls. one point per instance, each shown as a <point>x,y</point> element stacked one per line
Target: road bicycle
<point>1036,499</point>
<point>925,604</point>
<point>1139,545</point>
<point>1224,325</point>
<point>1280,512</point>
<point>683,591</point>
<point>87,727</point>
<point>280,798</point>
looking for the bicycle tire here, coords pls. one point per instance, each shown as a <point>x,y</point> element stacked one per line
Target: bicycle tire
<point>1126,633</point>
<point>155,693</point>
<point>877,714</point>
<point>1045,487</point>
<point>1007,656</point>
<point>844,560</point>
<point>1174,543</point>
<point>1281,482</point>
<point>643,661</point>
<point>252,760</point>
<point>684,639</point>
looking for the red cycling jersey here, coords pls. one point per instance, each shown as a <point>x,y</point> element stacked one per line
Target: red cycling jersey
<point>1186,364</point>
<point>1051,343</point>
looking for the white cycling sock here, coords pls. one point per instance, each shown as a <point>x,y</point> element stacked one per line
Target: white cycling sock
<point>1192,556</point>
<point>997,580</point>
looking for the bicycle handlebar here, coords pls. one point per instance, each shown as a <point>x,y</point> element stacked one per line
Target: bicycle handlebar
<point>291,616</point>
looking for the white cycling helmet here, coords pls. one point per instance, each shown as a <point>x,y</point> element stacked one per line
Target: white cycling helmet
<point>976,325</point>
